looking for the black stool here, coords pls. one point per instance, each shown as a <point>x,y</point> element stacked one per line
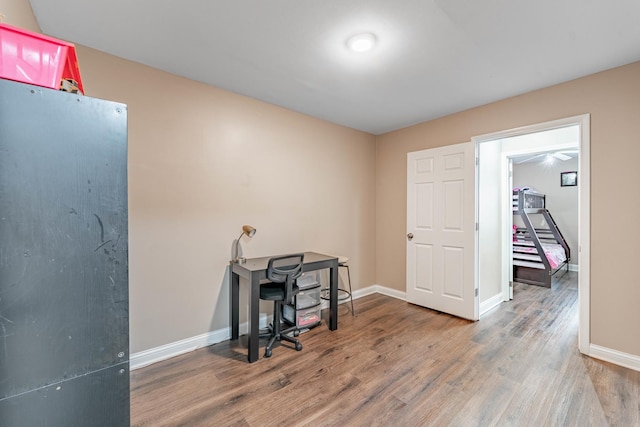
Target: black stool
<point>342,262</point>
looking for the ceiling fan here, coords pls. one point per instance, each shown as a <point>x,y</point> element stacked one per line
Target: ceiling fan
<point>560,155</point>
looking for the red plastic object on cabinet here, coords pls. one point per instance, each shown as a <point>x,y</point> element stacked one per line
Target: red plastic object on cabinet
<point>37,59</point>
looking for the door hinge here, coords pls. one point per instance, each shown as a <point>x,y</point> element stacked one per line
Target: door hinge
<point>511,284</point>
<point>477,161</point>
<point>476,226</point>
<point>476,291</point>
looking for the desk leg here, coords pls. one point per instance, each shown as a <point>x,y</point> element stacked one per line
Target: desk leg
<point>234,309</point>
<point>333,298</point>
<point>254,314</point>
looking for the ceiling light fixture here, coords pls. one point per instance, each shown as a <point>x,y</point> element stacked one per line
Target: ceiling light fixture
<point>361,42</point>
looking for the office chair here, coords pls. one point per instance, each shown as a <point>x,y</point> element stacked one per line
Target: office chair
<point>282,271</point>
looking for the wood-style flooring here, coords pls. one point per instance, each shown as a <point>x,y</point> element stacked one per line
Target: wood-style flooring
<point>398,364</point>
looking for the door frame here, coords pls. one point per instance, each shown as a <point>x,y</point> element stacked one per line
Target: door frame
<point>584,212</point>
<point>507,184</point>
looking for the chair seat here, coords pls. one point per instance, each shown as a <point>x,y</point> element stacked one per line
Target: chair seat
<point>274,291</point>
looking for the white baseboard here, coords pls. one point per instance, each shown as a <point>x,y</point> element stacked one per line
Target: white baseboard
<point>490,304</point>
<point>614,356</point>
<point>573,267</point>
<point>379,289</point>
<point>167,351</point>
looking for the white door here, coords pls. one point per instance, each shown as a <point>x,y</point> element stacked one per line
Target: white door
<point>441,236</point>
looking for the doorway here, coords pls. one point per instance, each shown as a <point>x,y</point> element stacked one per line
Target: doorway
<point>494,190</point>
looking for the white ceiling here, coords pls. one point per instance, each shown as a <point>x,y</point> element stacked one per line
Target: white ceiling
<point>434,57</point>
<point>545,157</point>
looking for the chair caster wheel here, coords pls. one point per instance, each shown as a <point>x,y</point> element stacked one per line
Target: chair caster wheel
<point>298,346</point>
<point>296,333</point>
<point>267,353</point>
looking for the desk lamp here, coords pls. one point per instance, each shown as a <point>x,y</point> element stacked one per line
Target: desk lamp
<point>249,231</point>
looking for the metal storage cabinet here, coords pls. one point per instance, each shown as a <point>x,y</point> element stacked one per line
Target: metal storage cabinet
<point>64,308</point>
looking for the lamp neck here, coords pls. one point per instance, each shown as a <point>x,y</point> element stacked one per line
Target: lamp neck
<point>237,248</point>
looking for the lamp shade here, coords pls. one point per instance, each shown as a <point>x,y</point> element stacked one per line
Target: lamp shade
<point>248,230</point>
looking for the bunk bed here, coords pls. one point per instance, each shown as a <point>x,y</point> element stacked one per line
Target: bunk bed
<point>532,240</point>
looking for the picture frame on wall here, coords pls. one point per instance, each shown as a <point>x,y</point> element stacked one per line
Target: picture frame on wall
<point>569,179</point>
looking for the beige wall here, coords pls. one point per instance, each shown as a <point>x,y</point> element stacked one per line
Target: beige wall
<point>203,162</point>
<point>612,98</point>
<point>190,191</point>
<point>18,13</point>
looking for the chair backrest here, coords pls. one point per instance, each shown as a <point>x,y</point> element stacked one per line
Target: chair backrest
<point>285,269</point>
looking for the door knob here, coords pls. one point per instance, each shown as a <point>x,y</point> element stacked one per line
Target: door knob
<point>410,236</point>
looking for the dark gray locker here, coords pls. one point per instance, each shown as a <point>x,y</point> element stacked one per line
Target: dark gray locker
<point>64,306</point>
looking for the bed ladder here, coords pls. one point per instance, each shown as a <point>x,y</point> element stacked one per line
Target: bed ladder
<point>533,237</point>
<point>533,234</point>
<point>553,227</point>
<point>539,235</point>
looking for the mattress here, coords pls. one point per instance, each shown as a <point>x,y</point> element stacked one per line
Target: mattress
<point>554,252</point>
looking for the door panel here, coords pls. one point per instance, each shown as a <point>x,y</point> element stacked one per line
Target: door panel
<point>453,205</point>
<point>424,276</point>
<point>453,278</point>
<point>424,214</point>
<point>441,229</point>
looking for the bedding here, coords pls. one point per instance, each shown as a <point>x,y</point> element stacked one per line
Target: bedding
<point>554,252</point>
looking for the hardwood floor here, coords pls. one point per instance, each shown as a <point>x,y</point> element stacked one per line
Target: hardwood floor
<point>399,364</point>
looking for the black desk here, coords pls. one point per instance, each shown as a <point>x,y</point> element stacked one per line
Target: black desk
<point>254,270</point>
